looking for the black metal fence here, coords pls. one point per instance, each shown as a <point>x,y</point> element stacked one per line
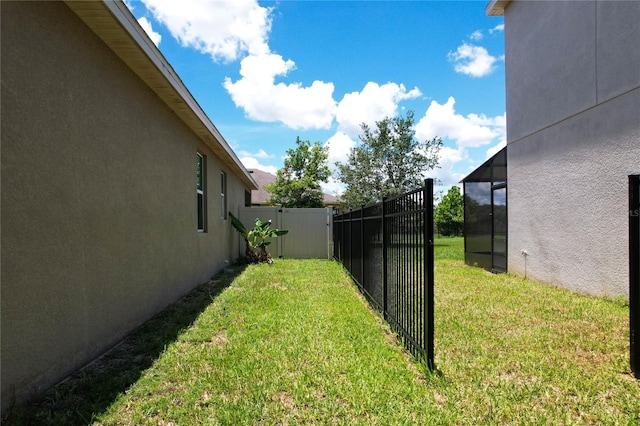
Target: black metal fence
<point>634,273</point>
<point>388,249</point>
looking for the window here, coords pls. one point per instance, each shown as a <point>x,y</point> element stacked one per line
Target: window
<point>223,196</point>
<point>200,192</point>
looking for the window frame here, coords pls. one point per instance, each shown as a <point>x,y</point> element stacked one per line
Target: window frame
<point>223,195</point>
<point>201,192</point>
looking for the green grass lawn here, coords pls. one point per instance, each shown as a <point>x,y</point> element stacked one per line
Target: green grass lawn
<point>449,248</point>
<point>295,343</point>
<point>512,351</point>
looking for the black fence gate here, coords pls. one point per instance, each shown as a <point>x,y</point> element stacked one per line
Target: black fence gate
<point>634,273</point>
<point>388,250</point>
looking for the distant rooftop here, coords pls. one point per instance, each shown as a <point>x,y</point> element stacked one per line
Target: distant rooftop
<point>262,178</point>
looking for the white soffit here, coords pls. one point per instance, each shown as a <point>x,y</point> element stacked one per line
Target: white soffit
<point>117,27</point>
<point>496,7</point>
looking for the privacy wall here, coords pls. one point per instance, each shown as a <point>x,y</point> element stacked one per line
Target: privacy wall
<point>309,235</point>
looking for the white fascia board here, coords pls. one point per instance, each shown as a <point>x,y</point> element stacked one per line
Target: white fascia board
<point>496,7</point>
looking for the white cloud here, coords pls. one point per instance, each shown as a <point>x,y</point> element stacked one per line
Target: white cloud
<point>260,154</point>
<point>339,146</point>
<point>254,163</point>
<point>499,27</point>
<point>332,187</point>
<point>472,60</point>
<point>309,107</point>
<point>233,29</point>
<point>471,131</point>
<point>146,26</point>
<point>296,106</point>
<point>476,36</point>
<point>496,148</point>
<point>230,29</point>
<point>464,132</point>
<point>449,157</point>
<point>373,103</point>
<point>223,29</point>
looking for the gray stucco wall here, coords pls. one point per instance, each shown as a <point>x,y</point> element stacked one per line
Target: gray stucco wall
<point>573,128</point>
<point>98,200</point>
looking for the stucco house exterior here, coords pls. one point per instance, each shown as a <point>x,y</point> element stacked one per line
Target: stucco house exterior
<point>115,188</point>
<point>573,137</point>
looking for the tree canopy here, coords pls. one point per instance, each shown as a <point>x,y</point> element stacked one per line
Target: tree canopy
<point>449,215</point>
<point>388,161</point>
<point>298,182</point>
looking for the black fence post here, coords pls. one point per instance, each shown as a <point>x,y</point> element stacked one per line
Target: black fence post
<point>427,197</point>
<point>362,245</point>
<point>384,258</point>
<point>342,238</point>
<point>351,241</point>
<point>634,274</point>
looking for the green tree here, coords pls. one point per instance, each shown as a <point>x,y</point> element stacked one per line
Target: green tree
<point>298,182</point>
<point>388,161</point>
<point>449,215</point>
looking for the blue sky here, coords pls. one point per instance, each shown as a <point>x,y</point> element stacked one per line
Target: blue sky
<point>266,72</point>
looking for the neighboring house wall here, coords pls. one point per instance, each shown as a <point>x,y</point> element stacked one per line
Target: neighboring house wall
<point>573,127</point>
<point>98,199</point>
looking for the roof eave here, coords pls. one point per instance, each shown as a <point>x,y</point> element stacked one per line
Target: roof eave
<point>496,7</point>
<point>118,28</point>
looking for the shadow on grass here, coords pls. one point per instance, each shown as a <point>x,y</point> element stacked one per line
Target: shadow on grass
<point>80,398</point>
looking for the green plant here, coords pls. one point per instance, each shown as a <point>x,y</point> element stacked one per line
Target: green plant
<point>256,239</point>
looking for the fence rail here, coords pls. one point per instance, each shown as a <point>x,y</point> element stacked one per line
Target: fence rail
<point>388,250</point>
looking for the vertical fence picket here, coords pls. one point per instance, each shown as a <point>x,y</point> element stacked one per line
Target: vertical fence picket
<point>362,256</point>
<point>385,305</point>
<point>429,271</point>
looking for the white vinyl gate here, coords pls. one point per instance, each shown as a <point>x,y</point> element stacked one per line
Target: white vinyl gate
<point>309,234</point>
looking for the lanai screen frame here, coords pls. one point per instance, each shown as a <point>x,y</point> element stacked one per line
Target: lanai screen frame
<point>485,198</point>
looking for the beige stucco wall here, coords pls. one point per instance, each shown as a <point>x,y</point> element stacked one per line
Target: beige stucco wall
<point>98,200</point>
<point>573,129</point>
